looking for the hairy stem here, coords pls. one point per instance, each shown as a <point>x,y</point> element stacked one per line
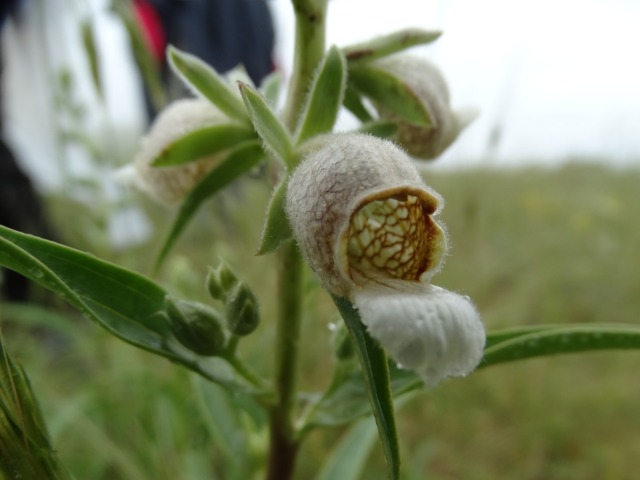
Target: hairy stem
<point>309,50</point>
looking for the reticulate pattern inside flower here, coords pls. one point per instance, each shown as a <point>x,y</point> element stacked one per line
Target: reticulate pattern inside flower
<point>388,238</point>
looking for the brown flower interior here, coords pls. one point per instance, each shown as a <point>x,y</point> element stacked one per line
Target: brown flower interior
<point>389,238</point>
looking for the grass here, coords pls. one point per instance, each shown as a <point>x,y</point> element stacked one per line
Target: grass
<point>529,247</point>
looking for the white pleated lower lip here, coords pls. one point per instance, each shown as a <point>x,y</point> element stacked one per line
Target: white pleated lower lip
<point>434,332</point>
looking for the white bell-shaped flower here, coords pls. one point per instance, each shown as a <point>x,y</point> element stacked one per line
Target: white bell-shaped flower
<point>367,225</point>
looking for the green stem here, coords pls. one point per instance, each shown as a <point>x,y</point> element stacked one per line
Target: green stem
<point>309,50</point>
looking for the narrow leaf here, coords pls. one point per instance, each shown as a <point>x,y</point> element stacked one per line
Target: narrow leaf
<point>239,161</point>
<point>276,228</point>
<point>205,80</point>
<point>25,447</point>
<point>348,459</point>
<point>554,341</point>
<point>324,101</point>
<point>201,143</point>
<point>125,303</point>
<point>389,44</point>
<point>376,373</point>
<point>269,127</point>
<point>390,92</point>
<point>354,104</point>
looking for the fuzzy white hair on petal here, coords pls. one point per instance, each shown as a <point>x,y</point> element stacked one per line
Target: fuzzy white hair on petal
<point>434,332</point>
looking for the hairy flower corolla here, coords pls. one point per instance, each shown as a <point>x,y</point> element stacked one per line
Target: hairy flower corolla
<point>430,87</point>
<point>171,184</point>
<point>367,225</point>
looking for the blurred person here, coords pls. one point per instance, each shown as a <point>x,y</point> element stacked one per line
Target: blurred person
<point>223,33</point>
<point>20,205</point>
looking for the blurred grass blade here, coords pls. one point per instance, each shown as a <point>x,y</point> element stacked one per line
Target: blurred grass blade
<point>389,91</point>
<point>206,81</point>
<point>376,373</point>
<point>354,104</point>
<point>389,44</point>
<point>240,160</point>
<point>269,127</point>
<point>348,459</point>
<point>570,339</point>
<point>91,52</point>
<point>381,129</point>
<point>125,303</point>
<point>201,143</point>
<point>324,101</point>
<point>276,228</point>
<point>25,448</point>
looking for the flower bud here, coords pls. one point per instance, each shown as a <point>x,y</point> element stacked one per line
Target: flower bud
<point>196,326</point>
<point>427,82</point>
<point>220,280</point>
<point>171,184</point>
<point>242,311</point>
<point>367,225</point>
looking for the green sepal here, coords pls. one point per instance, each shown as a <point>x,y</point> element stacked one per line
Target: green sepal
<point>199,76</point>
<point>325,98</point>
<point>123,302</point>
<point>381,128</point>
<point>385,89</point>
<point>271,130</point>
<point>241,159</point>
<point>389,44</point>
<point>276,229</point>
<point>202,142</point>
<point>196,326</point>
<point>220,281</point>
<point>375,370</point>
<point>241,311</point>
<point>354,104</point>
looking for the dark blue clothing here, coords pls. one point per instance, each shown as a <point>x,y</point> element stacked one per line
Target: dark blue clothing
<point>223,33</point>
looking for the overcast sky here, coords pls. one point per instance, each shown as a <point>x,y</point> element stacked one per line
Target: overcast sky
<point>561,77</point>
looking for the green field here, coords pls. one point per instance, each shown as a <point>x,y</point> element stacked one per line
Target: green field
<point>529,246</point>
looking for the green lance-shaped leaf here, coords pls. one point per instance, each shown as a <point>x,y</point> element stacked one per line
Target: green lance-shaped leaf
<point>558,340</point>
<point>205,80</point>
<point>324,101</point>
<point>203,142</point>
<point>376,373</point>
<point>353,103</point>
<point>90,50</point>
<point>25,448</point>
<point>240,160</point>
<point>125,303</point>
<point>385,89</point>
<point>276,228</point>
<point>389,44</point>
<point>274,134</point>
